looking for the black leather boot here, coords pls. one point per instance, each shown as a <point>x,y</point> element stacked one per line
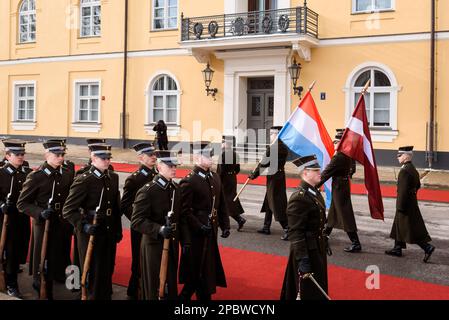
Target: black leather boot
<point>240,221</point>
<point>355,245</point>
<point>396,251</point>
<point>428,250</point>
<point>265,229</point>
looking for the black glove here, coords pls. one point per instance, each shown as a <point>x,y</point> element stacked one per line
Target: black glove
<point>7,208</point>
<point>206,230</point>
<point>46,214</point>
<point>166,232</point>
<point>304,266</point>
<point>253,175</point>
<point>225,233</point>
<point>90,229</point>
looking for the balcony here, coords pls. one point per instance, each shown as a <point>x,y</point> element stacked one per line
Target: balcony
<point>295,27</point>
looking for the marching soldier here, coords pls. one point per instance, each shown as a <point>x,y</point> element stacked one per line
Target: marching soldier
<point>69,165</point>
<point>408,224</point>
<point>93,208</point>
<point>275,201</point>
<point>227,169</point>
<point>133,183</point>
<point>12,177</point>
<point>42,198</point>
<point>203,209</point>
<point>5,160</point>
<point>341,215</point>
<point>156,215</point>
<point>306,216</point>
<point>90,143</point>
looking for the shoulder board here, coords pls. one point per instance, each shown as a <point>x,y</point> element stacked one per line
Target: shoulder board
<point>46,171</point>
<point>9,170</point>
<point>149,185</point>
<point>311,191</point>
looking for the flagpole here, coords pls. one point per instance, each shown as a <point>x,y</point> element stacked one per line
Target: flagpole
<point>365,89</point>
<point>247,179</point>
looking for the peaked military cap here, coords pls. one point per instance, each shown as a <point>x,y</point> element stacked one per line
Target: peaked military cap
<point>14,146</point>
<point>101,150</point>
<point>56,146</point>
<point>307,162</point>
<point>167,157</point>
<point>202,147</point>
<point>144,147</point>
<point>405,150</point>
<point>92,141</point>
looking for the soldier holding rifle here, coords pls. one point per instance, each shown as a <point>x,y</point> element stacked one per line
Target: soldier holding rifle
<point>155,214</point>
<point>306,211</point>
<point>203,209</point>
<point>15,225</point>
<point>96,193</point>
<point>44,204</point>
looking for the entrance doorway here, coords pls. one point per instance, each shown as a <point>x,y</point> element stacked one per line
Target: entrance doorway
<point>260,110</point>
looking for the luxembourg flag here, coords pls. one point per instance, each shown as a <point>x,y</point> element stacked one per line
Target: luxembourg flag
<point>305,134</point>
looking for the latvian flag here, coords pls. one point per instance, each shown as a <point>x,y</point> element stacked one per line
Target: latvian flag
<point>356,144</point>
<point>305,134</point>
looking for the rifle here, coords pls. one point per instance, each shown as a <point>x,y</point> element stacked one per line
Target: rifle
<point>90,249</point>
<point>163,285</point>
<point>206,240</point>
<point>44,261</point>
<point>3,241</point>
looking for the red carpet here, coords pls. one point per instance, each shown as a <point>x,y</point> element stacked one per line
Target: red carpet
<point>359,189</point>
<point>258,276</point>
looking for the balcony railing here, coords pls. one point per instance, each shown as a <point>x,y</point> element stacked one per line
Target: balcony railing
<point>299,20</point>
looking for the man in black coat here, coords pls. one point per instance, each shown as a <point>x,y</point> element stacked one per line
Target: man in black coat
<point>12,177</point>
<point>42,198</point>
<point>95,194</point>
<point>142,176</point>
<point>92,142</point>
<point>275,201</point>
<point>341,214</point>
<point>228,168</point>
<point>408,225</point>
<point>155,214</point>
<point>203,210</point>
<point>306,217</point>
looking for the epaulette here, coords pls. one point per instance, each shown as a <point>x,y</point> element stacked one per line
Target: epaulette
<point>149,185</point>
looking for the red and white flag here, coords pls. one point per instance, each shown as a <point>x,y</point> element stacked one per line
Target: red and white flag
<point>356,144</point>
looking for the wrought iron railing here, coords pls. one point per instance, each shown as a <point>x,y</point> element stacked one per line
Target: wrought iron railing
<point>300,20</point>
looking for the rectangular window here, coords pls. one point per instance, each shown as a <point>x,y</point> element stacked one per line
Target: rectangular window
<point>165,14</point>
<point>90,18</point>
<point>364,6</point>
<point>87,107</point>
<point>25,102</point>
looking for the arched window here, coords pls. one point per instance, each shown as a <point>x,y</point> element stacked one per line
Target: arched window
<point>90,17</point>
<point>164,100</point>
<point>380,100</point>
<point>27,21</point>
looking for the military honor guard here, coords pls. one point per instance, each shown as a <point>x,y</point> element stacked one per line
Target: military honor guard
<point>275,201</point>
<point>203,209</point>
<point>341,214</point>
<point>228,168</point>
<point>93,208</point>
<point>69,165</point>
<point>42,198</point>
<point>14,223</point>
<point>408,224</point>
<point>143,175</point>
<point>306,218</point>
<point>155,214</point>
<point>91,142</point>
<point>5,160</point>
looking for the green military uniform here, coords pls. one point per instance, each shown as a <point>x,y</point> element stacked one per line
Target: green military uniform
<point>18,227</point>
<point>151,206</point>
<point>228,168</point>
<point>85,194</point>
<point>133,183</point>
<point>306,218</point>
<point>34,198</point>
<point>408,225</point>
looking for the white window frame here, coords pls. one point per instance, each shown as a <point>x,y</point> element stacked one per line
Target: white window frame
<point>89,4</point>
<point>173,128</point>
<point>373,9</point>
<point>378,133</point>
<point>76,103</point>
<point>15,113</point>
<point>166,17</point>
<point>29,14</point>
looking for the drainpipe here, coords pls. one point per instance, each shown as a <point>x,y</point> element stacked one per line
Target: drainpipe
<point>125,74</point>
<point>431,130</point>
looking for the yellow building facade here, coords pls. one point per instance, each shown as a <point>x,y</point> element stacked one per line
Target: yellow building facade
<point>66,66</point>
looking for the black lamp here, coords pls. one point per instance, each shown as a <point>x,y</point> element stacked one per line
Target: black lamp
<point>208,75</point>
<point>295,70</point>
